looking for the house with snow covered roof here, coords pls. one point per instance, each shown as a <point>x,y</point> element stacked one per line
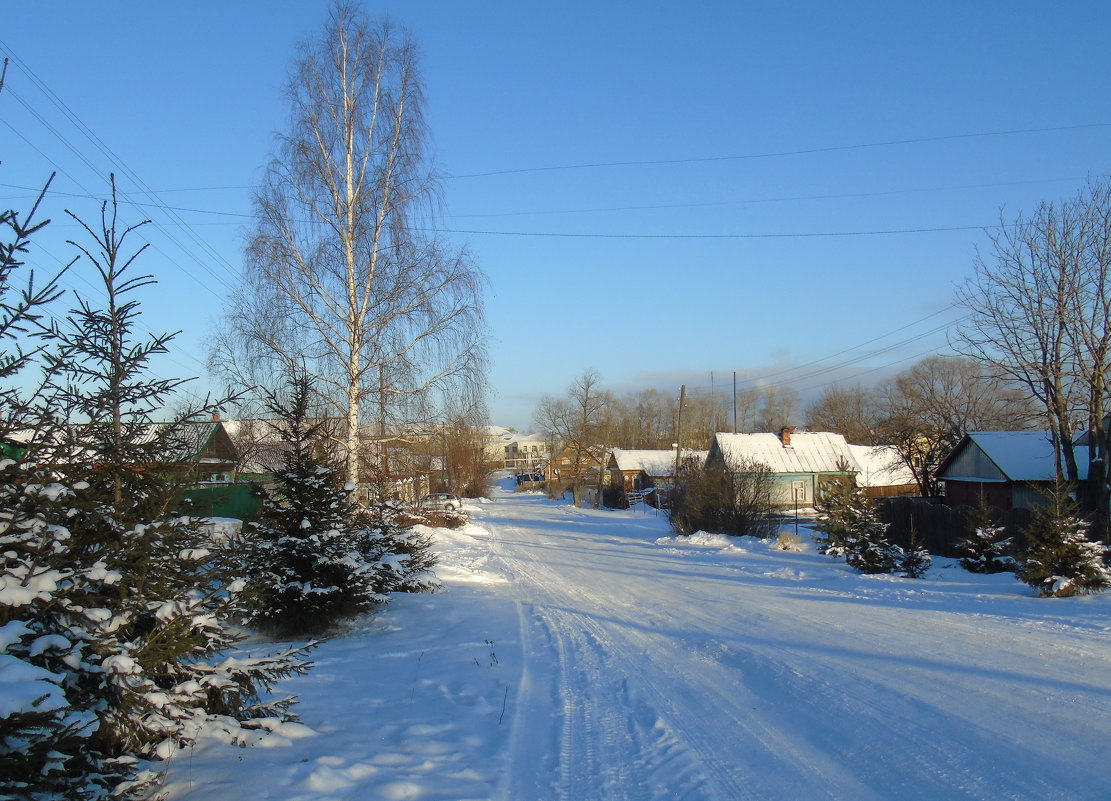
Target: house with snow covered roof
<point>883,472</point>
<point>800,462</point>
<point>639,470</point>
<point>201,449</point>
<point>573,461</point>
<point>1004,469</point>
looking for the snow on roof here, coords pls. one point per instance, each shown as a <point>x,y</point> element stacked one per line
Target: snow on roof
<point>880,466</point>
<point>178,442</point>
<point>515,437</point>
<point>809,452</point>
<point>1021,455</point>
<point>499,432</point>
<point>818,452</point>
<point>653,463</point>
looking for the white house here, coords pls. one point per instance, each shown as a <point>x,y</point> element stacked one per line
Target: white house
<point>515,451</point>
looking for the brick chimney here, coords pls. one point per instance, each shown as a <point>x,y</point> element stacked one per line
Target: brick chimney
<point>785,435</point>
<point>216,417</point>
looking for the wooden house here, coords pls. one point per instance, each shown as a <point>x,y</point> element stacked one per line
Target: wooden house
<point>571,461</point>
<point>639,470</point>
<point>636,470</point>
<point>799,461</point>
<point>1004,469</point>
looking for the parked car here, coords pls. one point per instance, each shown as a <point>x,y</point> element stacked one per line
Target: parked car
<point>523,478</point>
<point>442,500</point>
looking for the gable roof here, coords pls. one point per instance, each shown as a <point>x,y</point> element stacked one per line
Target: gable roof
<point>1018,455</point>
<point>655,463</point>
<point>880,466</point>
<point>809,452</point>
<point>198,441</point>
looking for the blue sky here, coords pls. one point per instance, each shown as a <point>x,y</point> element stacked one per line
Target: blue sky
<point>660,191</point>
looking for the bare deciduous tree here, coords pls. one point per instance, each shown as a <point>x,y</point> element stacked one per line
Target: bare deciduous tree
<point>577,419</point>
<point>928,408</point>
<point>342,282</point>
<point>778,407</point>
<point>848,410</point>
<point>1039,308</point>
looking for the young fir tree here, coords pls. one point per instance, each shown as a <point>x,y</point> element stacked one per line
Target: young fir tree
<point>985,549</point>
<point>850,528</point>
<point>321,559</point>
<point>914,560</point>
<point>144,594</point>
<point>51,655</point>
<point>1059,560</point>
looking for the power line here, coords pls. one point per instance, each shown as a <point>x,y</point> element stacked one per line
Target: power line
<point>604,235</point>
<point>825,359</point>
<point>782,153</point>
<point>754,201</point>
<point>924,353</point>
<point>107,152</point>
<point>795,235</point>
<point>67,283</point>
<point>830,368</point>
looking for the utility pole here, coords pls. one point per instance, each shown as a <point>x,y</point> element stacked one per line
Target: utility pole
<point>679,428</point>
<point>734,401</point>
<point>713,405</point>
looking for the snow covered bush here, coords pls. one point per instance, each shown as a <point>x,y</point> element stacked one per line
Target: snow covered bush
<point>914,560</point>
<point>317,557</point>
<point>131,621</point>
<point>788,541</point>
<point>1059,560</point>
<point>985,550</point>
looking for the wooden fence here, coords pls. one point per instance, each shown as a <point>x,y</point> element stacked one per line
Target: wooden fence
<point>940,528</point>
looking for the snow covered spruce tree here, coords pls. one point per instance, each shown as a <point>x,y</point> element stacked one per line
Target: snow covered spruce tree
<point>1059,560</point>
<point>320,558</point>
<point>127,603</point>
<point>50,654</point>
<point>985,549</point>
<point>850,528</point>
<point>53,649</point>
<point>914,560</point>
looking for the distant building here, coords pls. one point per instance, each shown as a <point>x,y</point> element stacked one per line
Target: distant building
<point>799,461</point>
<point>511,450</point>
<point>883,472</point>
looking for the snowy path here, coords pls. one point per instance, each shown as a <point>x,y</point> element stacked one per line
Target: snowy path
<point>587,656</point>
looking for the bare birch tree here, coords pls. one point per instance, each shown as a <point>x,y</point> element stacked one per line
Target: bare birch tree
<point>1039,311</point>
<point>343,283</point>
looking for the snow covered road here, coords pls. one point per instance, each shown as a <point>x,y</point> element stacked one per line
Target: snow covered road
<point>762,675</point>
<point>577,655</point>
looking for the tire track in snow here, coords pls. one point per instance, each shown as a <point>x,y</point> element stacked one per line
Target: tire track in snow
<point>615,741</point>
